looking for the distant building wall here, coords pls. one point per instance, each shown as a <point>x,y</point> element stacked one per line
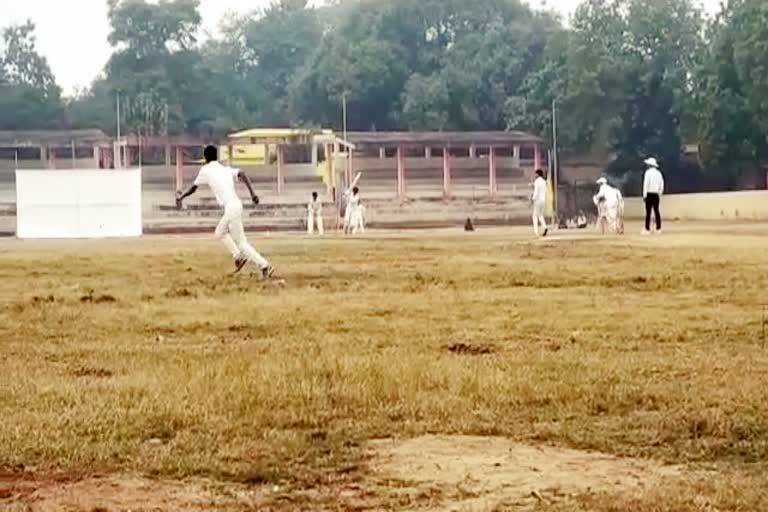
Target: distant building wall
<point>748,205</point>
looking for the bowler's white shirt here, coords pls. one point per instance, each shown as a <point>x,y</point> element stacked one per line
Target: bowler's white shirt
<point>221,180</point>
<point>653,183</point>
<point>539,190</point>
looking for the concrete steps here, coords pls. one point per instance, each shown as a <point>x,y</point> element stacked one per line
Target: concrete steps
<point>162,216</point>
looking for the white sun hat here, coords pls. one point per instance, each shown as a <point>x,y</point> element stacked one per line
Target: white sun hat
<point>652,162</point>
<point>602,181</point>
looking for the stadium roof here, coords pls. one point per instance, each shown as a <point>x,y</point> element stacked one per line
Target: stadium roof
<point>52,137</point>
<point>277,133</point>
<point>443,138</point>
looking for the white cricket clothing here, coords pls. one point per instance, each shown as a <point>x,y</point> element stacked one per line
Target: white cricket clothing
<point>653,182</point>
<point>358,219</point>
<point>610,208</point>
<point>354,202</point>
<point>230,230</point>
<point>539,190</point>
<point>315,206</point>
<point>315,214</point>
<point>538,216</point>
<point>347,210</point>
<point>355,211</point>
<point>610,195</point>
<point>221,180</point>
<point>232,234</point>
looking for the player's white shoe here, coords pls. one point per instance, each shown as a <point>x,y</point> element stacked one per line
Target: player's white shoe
<point>645,232</point>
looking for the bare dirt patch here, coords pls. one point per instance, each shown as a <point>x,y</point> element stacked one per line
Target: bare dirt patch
<point>471,349</point>
<point>483,473</point>
<point>58,492</point>
<point>88,371</point>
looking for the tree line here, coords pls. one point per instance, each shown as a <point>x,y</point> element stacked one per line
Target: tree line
<point>628,78</point>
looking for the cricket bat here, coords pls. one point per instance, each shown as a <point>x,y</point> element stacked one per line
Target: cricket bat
<point>357,178</point>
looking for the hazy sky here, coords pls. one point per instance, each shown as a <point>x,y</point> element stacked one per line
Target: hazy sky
<point>78,51</point>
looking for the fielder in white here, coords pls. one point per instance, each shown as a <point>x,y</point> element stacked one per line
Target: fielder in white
<point>539,199</point>
<point>315,214</point>
<point>221,180</point>
<point>610,208</point>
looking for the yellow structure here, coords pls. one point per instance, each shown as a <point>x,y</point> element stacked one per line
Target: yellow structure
<point>279,133</point>
<point>251,154</point>
<point>259,146</point>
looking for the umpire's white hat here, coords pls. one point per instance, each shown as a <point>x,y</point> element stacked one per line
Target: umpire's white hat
<point>652,162</point>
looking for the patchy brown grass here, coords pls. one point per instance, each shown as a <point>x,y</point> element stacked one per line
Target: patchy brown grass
<point>146,357</point>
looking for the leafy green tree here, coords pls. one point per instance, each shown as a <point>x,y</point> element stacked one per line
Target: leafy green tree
<point>29,96</point>
<point>277,43</point>
<point>623,81</point>
<point>731,94</point>
<point>156,66</point>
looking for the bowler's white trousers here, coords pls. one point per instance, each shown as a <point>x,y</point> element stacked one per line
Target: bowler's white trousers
<point>232,234</point>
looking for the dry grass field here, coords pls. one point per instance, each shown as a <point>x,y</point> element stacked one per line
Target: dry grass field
<point>413,371</point>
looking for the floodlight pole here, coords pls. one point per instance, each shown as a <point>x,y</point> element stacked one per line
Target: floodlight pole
<point>554,156</point>
<point>118,156</point>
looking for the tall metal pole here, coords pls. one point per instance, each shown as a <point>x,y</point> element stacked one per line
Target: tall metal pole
<point>344,114</point>
<point>119,152</point>
<point>554,155</point>
<point>347,170</point>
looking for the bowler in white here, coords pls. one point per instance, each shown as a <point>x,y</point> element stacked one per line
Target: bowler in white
<point>221,180</point>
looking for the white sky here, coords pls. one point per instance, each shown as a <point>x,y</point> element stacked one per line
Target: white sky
<point>77,50</point>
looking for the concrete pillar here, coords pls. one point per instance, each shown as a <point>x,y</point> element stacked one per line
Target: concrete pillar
<point>351,158</point>
<point>491,172</point>
<point>516,156</point>
<point>382,153</point>
<point>96,157</point>
<point>329,160</point>
<point>109,157</point>
<point>168,158</point>
<point>427,152</point>
<point>446,172</point>
<point>347,164</point>
<point>400,173</point>
<point>536,157</point>
<point>280,160</point>
<point>179,169</point>
<point>472,151</point>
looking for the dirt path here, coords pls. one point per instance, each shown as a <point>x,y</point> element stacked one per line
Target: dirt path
<point>58,492</point>
<point>481,473</point>
<point>430,473</point>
